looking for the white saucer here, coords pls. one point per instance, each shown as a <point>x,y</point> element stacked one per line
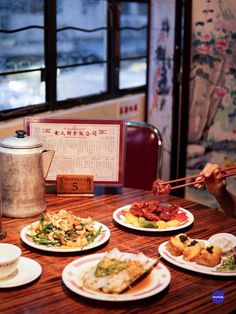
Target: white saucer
<point>27,271</point>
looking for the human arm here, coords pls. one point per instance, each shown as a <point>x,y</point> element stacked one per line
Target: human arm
<point>216,185</point>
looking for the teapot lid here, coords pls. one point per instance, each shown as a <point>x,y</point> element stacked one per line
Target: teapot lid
<point>20,140</point>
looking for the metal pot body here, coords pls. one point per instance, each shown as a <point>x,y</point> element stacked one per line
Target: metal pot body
<point>23,184</point>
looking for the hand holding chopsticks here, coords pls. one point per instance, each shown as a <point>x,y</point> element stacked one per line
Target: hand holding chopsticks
<point>164,187</point>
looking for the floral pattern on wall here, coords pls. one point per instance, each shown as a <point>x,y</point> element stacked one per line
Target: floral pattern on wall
<point>212,112</point>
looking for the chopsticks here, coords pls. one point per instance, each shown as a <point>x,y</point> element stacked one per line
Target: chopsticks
<point>196,176</point>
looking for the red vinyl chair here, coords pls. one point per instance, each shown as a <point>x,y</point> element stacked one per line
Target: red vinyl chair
<point>143,155</point>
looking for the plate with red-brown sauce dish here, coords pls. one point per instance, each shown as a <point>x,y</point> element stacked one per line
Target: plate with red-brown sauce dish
<point>180,220</point>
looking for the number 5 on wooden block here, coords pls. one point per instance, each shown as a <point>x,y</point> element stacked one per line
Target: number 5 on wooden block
<point>71,184</point>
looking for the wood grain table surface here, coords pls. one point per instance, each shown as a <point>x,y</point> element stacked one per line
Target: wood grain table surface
<point>188,291</point>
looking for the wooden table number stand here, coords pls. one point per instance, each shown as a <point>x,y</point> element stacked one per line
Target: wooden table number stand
<point>75,185</point>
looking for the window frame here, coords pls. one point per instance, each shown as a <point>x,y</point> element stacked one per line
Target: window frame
<point>49,73</point>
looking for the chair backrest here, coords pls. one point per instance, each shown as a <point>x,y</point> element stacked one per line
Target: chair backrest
<point>143,155</point>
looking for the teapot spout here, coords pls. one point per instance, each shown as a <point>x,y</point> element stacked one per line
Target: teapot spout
<point>47,160</point>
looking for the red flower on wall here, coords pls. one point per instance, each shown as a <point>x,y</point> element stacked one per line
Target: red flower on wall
<point>220,91</point>
<point>205,36</point>
<point>204,49</point>
<point>221,44</point>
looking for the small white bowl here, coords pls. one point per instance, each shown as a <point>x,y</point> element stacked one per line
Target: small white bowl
<point>225,241</point>
<point>9,258</point>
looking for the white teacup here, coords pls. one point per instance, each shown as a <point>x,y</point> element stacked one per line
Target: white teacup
<point>9,258</point>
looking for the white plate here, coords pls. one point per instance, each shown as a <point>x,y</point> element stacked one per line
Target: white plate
<point>102,238</point>
<point>179,261</point>
<point>159,280</point>
<point>119,217</point>
<point>27,271</point>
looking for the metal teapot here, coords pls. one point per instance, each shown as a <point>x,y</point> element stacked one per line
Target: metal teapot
<point>24,165</point>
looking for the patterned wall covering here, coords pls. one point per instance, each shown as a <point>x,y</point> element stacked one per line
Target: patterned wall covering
<point>212,116</point>
<point>161,72</point>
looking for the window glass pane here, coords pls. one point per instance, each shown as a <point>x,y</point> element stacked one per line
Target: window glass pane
<point>133,44</point>
<point>81,50</point>
<point>132,73</point>
<point>81,38</point>
<point>133,34</point>
<point>133,24</point>
<point>20,90</point>
<point>20,51</point>
<point>81,81</point>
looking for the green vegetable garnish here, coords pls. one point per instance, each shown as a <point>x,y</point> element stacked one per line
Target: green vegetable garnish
<point>228,264</point>
<point>109,267</point>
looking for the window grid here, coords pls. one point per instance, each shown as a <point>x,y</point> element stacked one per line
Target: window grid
<point>49,72</point>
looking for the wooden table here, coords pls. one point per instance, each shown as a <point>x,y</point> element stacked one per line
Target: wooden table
<point>188,292</point>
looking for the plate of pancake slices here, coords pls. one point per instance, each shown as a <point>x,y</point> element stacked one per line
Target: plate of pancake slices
<point>116,276</point>
<point>202,256</point>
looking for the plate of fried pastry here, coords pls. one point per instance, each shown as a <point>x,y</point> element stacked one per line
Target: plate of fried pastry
<point>202,256</point>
